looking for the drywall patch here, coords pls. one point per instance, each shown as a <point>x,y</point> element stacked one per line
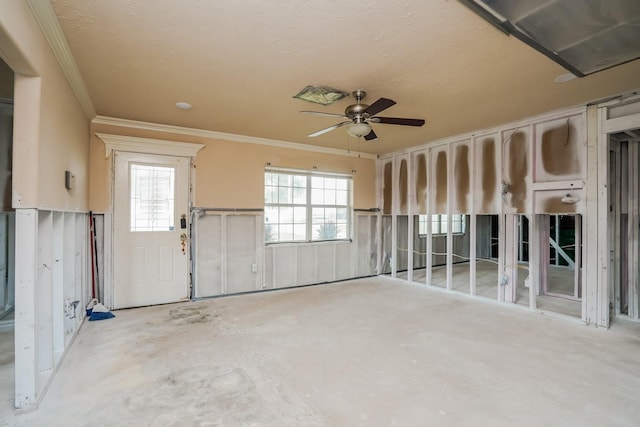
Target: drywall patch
<point>489,174</point>
<point>461,176</point>
<point>518,170</point>
<point>441,183</point>
<point>421,183</point>
<point>387,192</point>
<point>559,150</point>
<point>403,182</point>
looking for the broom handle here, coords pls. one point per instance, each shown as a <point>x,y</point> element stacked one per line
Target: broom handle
<point>95,248</point>
<point>93,271</point>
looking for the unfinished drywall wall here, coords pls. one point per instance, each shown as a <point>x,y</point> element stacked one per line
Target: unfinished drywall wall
<point>487,187</point>
<point>441,183</point>
<point>402,243</point>
<point>403,187</point>
<point>560,149</point>
<point>387,188</point>
<point>226,252</point>
<point>488,177</point>
<point>461,179</point>
<point>50,135</point>
<point>558,201</point>
<point>7,263</point>
<point>517,167</point>
<point>421,183</point>
<point>288,265</point>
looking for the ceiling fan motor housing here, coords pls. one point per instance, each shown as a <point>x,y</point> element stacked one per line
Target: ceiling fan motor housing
<point>356,111</point>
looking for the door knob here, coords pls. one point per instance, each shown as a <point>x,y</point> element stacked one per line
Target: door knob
<point>183,240</point>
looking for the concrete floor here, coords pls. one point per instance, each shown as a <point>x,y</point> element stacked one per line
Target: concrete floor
<point>369,352</point>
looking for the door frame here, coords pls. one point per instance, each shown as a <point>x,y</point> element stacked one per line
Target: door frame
<point>597,285</point>
<point>144,146</point>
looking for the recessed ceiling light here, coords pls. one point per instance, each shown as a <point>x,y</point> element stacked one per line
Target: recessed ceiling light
<point>183,105</point>
<point>564,78</point>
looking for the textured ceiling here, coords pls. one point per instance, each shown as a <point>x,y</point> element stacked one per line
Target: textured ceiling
<point>239,62</point>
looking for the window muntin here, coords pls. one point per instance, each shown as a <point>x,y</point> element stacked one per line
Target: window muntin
<point>306,206</point>
<point>151,197</point>
<point>440,224</point>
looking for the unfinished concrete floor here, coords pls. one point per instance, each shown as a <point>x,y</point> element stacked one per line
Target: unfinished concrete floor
<point>370,352</point>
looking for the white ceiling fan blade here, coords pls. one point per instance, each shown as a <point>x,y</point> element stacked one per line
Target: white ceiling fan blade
<point>320,113</point>
<point>329,129</point>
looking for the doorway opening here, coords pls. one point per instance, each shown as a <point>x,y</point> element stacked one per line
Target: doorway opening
<point>624,223</point>
<point>560,267</point>
<point>7,239</point>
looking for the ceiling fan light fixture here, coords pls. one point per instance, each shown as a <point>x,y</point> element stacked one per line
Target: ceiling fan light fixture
<point>320,95</point>
<point>359,129</point>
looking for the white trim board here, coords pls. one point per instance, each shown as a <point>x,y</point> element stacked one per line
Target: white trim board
<point>148,146</point>
<point>210,134</point>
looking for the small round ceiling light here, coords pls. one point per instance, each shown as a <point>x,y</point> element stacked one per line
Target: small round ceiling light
<point>183,105</point>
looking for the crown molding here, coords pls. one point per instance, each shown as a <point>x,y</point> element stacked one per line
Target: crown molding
<point>210,134</point>
<point>148,145</point>
<point>46,17</point>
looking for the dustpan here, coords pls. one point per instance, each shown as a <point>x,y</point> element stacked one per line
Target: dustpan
<point>97,311</point>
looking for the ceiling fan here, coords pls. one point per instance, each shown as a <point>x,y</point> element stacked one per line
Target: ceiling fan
<point>360,116</point>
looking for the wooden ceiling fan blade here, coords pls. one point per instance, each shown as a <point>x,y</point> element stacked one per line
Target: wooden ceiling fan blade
<point>397,121</point>
<point>371,136</point>
<point>329,129</point>
<point>320,113</point>
<point>378,106</point>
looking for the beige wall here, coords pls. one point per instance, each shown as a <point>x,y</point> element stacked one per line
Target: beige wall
<point>50,129</point>
<point>231,174</point>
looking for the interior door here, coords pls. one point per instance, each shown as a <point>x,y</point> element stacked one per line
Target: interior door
<point>151,251</point>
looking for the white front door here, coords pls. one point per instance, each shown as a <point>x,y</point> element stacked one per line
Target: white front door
<point>151,251</point>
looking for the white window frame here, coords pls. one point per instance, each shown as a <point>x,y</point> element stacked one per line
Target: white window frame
<point>309,205</point>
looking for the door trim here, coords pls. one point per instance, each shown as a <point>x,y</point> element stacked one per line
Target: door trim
<point>143,146</point>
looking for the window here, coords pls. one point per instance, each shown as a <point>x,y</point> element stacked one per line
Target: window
<point>152,197</point>
<point>306,206</point>
<point>440,224</point>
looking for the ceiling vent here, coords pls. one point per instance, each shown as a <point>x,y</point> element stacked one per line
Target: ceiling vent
<point>584,36</point>
<point>320,95</point>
